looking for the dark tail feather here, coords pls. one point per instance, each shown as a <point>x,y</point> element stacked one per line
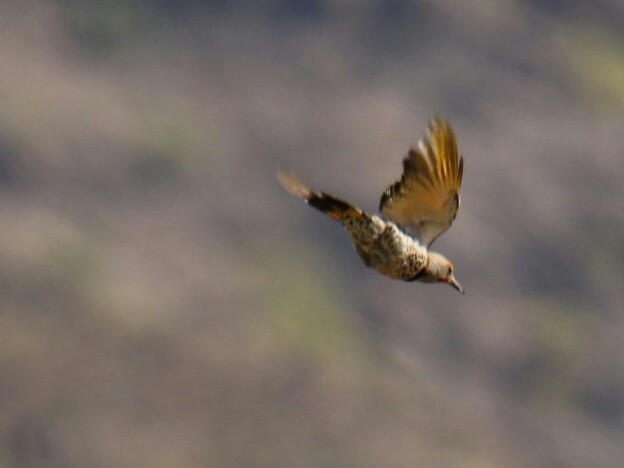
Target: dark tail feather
<point>331,206</point>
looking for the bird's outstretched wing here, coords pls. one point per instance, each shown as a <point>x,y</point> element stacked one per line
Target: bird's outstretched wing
<point>424,203</point>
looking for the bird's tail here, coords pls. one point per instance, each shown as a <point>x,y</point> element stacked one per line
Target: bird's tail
<point>333,207</point>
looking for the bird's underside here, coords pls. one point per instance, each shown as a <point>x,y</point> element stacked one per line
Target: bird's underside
<point>380,244</point>
<point>414,211</point>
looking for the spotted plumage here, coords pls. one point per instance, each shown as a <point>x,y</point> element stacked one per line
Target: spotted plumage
<point>414,211</point>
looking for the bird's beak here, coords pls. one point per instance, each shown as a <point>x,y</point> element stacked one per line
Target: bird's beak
<point>453,282</point>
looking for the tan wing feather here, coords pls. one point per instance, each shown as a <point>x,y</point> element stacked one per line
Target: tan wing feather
<point>425,201</point>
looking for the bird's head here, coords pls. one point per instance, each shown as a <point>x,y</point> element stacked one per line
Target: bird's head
<point>440,270</point>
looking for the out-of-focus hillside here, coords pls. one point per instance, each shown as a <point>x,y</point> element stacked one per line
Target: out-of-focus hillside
<point>164,303</point>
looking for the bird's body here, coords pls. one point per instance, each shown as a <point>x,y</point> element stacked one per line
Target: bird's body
<point>382,246</point>
<point>414,212</point>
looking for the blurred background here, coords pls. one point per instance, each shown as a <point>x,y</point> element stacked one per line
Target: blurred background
<point>164,303</point>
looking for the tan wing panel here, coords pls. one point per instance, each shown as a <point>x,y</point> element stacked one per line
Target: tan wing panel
<point>424,203</point>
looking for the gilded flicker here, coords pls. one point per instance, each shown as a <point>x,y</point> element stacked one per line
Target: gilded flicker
<point>414,211</point>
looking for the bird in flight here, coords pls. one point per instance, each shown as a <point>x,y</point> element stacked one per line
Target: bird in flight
<point>414,211</point>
